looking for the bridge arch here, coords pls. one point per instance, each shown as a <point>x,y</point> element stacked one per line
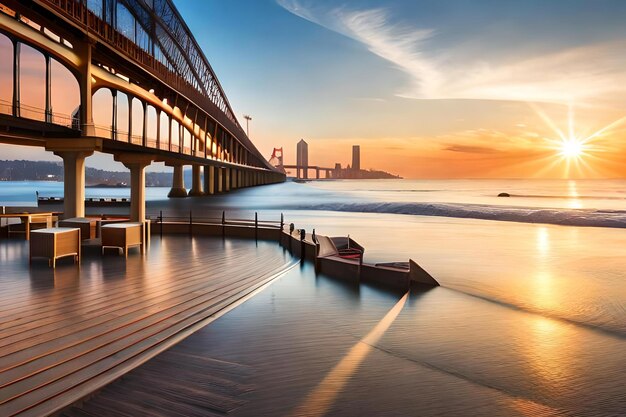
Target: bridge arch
<point>35,85</point>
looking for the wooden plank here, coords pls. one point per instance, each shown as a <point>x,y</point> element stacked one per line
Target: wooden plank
<point>58,344</point>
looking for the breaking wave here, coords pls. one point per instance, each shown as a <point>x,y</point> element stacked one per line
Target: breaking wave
<point>567,217</point>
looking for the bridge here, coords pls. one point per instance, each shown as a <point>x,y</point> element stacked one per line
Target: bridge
<point>123,77</point>
<point>302,172</point>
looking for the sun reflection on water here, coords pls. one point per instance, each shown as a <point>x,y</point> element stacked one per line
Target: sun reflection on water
<point>574,198</point>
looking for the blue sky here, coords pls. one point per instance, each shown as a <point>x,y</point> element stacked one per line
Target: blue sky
<point>412,74</point>
<point>420,85</point>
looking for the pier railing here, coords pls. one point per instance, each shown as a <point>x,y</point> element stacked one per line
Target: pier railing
<point>197,220</point>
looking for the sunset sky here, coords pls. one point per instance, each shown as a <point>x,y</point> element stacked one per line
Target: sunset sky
<point>453,88</point>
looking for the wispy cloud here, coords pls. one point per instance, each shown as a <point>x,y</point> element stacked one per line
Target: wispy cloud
<point>470,149</point>
<point>578,74</point>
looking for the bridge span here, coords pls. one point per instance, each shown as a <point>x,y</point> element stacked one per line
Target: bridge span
<point>145,92</point>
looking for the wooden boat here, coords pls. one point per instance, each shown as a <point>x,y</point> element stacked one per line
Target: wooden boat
<point>348,248</point>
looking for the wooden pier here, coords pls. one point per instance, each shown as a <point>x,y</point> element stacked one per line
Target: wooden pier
<point>68,332</point>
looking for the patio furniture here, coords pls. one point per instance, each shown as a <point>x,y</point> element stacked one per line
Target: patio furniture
<point>26,219</point>
<point>54,243</point>
<point>122,236</point>
<point>87,226</point>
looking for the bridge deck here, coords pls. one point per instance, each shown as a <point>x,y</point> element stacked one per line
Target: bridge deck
<point>67,332</point>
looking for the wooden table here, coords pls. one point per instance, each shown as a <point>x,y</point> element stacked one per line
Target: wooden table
<point>27,219</point>
<point>122,236</point>
<point>86,225</point>
<point>54,243</point>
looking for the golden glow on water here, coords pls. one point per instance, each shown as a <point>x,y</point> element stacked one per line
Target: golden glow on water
<point>574,198</point>
<point>545,296</point>
<point>542,282</point>
<point>543,241</point>
<point>322,398</point>
<point>533,409</point>
<point>549,350</point>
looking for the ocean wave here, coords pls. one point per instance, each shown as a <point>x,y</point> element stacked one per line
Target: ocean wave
<point>568,197</point>
<point>566,217</point>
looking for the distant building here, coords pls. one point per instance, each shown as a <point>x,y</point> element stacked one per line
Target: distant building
<point>356,158</point>
<point>302,159</point>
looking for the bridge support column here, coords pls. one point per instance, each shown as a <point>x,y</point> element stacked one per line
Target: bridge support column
<point>226,186</point>
<point>73,182</point>
<point>178,189</point>
<point>317,173</point>
<point>232,179</point>
<point>196,182</point>
<point>136,164</point>
<point>219,182</point>
<point>209,180</point>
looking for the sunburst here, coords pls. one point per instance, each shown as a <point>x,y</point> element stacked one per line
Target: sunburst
<point>571,150</point>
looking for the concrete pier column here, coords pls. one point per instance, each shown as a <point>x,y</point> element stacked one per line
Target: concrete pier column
<point>233,179</point>
<point>219,182</point>
<point>137,164</point>
<point>178,183</point>
<point>317,173</point>
<point>73,182</point>
<point>209,180</point>
<point>196,182</point>
<point>226,186</point>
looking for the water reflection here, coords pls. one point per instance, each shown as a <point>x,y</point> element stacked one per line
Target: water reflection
<point>325,394</point>
<point>543,241</point>
<point>573,201</point>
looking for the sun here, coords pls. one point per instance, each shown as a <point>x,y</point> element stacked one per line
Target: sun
<point>572,148</point>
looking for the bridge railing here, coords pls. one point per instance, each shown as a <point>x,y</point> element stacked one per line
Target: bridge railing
<point>77,11</point>
<point>40,114</point>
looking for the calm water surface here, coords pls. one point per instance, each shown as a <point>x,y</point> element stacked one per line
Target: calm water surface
<point>530,318</point>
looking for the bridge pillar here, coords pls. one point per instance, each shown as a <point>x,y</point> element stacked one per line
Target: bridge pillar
<point>317,173</point>
<point>196,182</point>
<point>233,178</point>
<point>209,180</point>
<point>73,182</point>
<point>178,189</point>
<point>218,180</point>
<point>226,186</point>
<point>137,164</point>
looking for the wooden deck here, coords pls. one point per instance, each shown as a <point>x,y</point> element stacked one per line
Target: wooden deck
<point>67,332</point>
<point>175,383</point>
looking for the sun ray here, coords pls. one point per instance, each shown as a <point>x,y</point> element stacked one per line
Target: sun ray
<point>570,121</point>
<point>548,121</point>
<point>578,153</point>
<point>606,128</point>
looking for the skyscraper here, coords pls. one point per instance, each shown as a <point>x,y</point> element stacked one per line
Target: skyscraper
<point>302,159</point>
<point>356,158</point>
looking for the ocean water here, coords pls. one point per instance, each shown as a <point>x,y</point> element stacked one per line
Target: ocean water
<point>530,318</point>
